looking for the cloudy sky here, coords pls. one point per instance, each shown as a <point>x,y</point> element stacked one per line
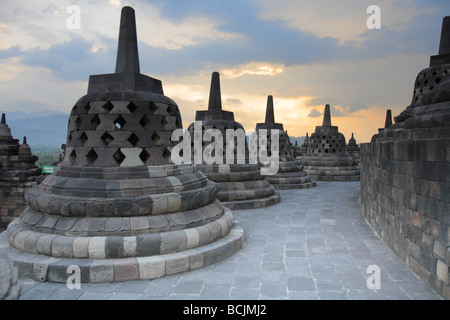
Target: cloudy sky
<point>304,53</point>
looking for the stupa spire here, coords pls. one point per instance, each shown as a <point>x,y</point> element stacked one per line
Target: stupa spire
<point>3,119</point>
<point>270,117</point>
<point>326,117</point>
<point>388,121</point>
<point>444,45</point>
<point>127,51</point>
<point>215,98</point>
<point>443,57</point>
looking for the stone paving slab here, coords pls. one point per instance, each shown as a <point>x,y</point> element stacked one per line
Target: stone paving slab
<point>314,244</point>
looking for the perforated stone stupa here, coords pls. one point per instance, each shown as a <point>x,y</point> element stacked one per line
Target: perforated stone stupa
<point>18,173</point>
<point>352,147</point>
<point>304,147</point>
<point>241,185</point>
<point>290,174</point>
<point>117,207</point>
<point>327,157</point>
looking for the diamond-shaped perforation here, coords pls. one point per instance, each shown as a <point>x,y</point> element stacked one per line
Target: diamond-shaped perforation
<point>78,123</point>
<point>144,155</point>
<point>166,154</point>
<point>153,107</point>
<point>132,107</point>
<point>91,156</point>
<point>156,138</point>
<point>144,122</point>
<point>133,139</point>
<point>72,157</point>
<point>119,122</point>
<point>108,106</point>
<point>83,138</point>
<point>87,107</point>
<point>119,156</point>
<point>69,138</point>
<point>107,138</point>
<point>164,121</point>
<point>95,122</point>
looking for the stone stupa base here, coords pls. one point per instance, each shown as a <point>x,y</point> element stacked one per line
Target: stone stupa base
<point>291,176</point>
<point>333,169</point>
<point>115,231</point>
<point>241,186</point>
<point>197,248</point>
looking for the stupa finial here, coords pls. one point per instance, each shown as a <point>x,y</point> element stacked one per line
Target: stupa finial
<point>270,117</point>
<point>127,52</point>
<point>443,57</point>
<point>326,117</point>
<point>215,98</point>
<point>388,121</point>
<point>3,119</point>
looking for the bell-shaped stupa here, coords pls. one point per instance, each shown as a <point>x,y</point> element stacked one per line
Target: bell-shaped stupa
<point>352,147</point>
<point>327,157</point>
<point>117,206</point>
<point>18,173</point>
<point>290,173</point>
<point>241,185</point>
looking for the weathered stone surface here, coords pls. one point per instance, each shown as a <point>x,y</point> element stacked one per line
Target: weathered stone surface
<point>404,176</point>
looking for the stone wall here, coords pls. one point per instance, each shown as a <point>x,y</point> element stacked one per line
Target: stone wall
<point>405,197</point>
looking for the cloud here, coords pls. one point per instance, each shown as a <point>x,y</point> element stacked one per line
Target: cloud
<point>315,113</point>
<point>234,102</point>
<point>254,68</point>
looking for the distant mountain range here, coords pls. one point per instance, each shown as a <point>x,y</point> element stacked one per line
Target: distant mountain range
<point>45,128</point>
<point>49,128</point>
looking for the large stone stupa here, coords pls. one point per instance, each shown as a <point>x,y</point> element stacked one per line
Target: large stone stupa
<point>241,185</point>
<point>18,173</point>
<point>117,207</point>
<point>290,173</point>
<point>327,158</point>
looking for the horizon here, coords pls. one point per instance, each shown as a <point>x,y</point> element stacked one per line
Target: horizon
<point>304,54</point>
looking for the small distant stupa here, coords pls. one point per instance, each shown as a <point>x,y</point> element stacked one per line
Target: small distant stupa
<point>352,147</point>
<point>18,172</point>
<point>327,157</point>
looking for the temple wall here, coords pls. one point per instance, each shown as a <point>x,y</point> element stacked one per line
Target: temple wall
<point>12,199</point>
<point>405,196</point>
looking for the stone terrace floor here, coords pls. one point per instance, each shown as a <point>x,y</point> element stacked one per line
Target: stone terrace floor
<point>314,244</point>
